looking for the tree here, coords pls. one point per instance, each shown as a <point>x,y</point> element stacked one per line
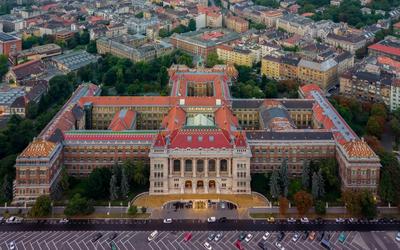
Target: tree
<point>395,126</point>
<point>7,188</point>
<point>163,33</point>
<point>284,178</point>
<point>124,183</point>
<point>98,184</point>
<point>274,184</point>
<point>368,205</point>
<point>78,205</point>
<point>64,182</point>
<point>132,210</point>
<point>303,201</point>
<point>212,60</point>
<point>114,189</point>
<point>192,25</point>
<point>374,126</point>
<point>3,65</point>
<point>91,47</point>
<point>42,207</point>
<point>283,205</point>
<point>140,174</point>
<point>321,184</point>
<point>351,200</point>
<point>305,175</point>
<point>320,208</point>
<point>318,185</point>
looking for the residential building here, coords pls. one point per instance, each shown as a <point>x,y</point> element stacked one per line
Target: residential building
<point>25,71</point>
<point>389,47</point>
<point>38,52</point>
<point>136,47</point>
<point>235,55</point>
<point>236,24</point>
<point>348,42</point>
<point>9,45</point>
<point>294,23</point>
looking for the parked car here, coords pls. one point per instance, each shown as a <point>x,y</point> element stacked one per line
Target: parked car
<point>238,244</point>
<point>222,219</point>
<point>351,220</point>
<point>280,236</point>
<point>248,237</point>
<point>242,236</point>
<point>218,237</point>
<point>398,236</point>
<point>113,246</point>
<point>304,220</point>
<point>339,220</point>
<point>263,245</point>
<point>167,221</point>
<point>326,244</point>
<point>305,235</point>
<point>112,236</point>
<point>96,237</point>
<point>291,220</point>
<point>13,220</point>
<point>152,236</point>
<point>187,237</point>
<point>312,235</point>
<point>295,237</point>
<point>11,245</point>
<point>211,219</point>
<point>320,236</point>
<point>207,246</point>
<point>265,236</point>
<point>64,221</point>
<point>211,236</point>
<point>279,245</point>
<point>342,237</point>
<point>271,219</point>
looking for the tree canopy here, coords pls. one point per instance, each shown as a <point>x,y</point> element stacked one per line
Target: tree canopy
<point>42,207</point>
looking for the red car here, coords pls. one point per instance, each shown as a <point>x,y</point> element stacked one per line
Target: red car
<point>239,245</point>
<point>187,237</point>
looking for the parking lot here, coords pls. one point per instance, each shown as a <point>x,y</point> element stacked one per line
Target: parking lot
<point>175,240</point>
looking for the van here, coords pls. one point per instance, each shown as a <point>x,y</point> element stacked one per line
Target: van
<point>326,244</point>
<point>152,236</point>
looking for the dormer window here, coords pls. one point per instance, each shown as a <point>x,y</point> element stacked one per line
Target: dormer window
<point>200,138</point>
<point>211,138</point>
<point>189,138</point>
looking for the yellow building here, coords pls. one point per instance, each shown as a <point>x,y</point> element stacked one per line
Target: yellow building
<point>231,55</point>
<point>270,67</point>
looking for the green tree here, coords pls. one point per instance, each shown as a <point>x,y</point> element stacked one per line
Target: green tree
<point>368,205</point>
<point>305,175</point>
<point>42,207</point>
<point>7,188</point>
<point>132,210</point>
<point>192,25</point>
<point>284,178</point>
<point>303,202</point>
<point>78,205</point>
<point>3,65</point>
<point>140,174</point>
<point>318,190</point>
<point>64,182</point>
<point>139,15</point>
<point>92,47</point>
<point>320,208</point>
<point>352,202</point>
<point>163,33</point>
<point>98,184</point>
<point>274,185</point>
<point>114,189</point>
<point>374,126</point>
<point>395,126</point>
<point>124,183</point>
<point>389,185</point>
<point>212,60</point>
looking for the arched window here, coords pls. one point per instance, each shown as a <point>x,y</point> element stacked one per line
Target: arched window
<point>211,165</point>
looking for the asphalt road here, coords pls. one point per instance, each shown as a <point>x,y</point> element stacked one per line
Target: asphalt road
<point>198,225</point>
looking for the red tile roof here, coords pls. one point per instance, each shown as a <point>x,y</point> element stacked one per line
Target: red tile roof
<point>200,138</point>
<point>128,100</point>
<point>100,136</point>
<point>175,119</point>
<point>38,148</point>
<point>385,49</point>
<point>123,120</point>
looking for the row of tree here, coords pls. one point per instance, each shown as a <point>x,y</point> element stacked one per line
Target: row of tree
<point>180,29</point>
<point>79,38</point>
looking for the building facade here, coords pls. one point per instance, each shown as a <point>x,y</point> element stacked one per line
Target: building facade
<point>197,140</point>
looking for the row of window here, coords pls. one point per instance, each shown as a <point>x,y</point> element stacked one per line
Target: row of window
<point>158,184</point>
<point>32,172</point>
<point>241,174</point>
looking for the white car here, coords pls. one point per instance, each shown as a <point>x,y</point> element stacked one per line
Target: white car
<point>11,246</point>
<point>398,236</point>
<point>218,237</point>
<point>167,221</point>
<point>211,219</point>
<point>304,220</point>
<point>295,237</point>
<point>279,246</point>
<point>266,235</point>
<point>64,221</point>
<point>339,220</point>
<point>248,237</point>
<point>207,245</point>
<point>152,236</point>
<point>13,219</point>
<point>291,220</point>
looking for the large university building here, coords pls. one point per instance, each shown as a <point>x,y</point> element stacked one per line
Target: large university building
<point>197,140</point>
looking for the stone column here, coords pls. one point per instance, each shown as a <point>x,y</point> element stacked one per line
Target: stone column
<point>194,167</point>
<point>194,184</point>
<point>206,168</point>
<point>206,186</point>
<point>170,167</point>
<point>182,168</point>
<point>217,162</point>
<point>229,167</point>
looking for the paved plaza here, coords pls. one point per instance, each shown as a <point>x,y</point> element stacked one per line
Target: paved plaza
<point>48,240</point>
